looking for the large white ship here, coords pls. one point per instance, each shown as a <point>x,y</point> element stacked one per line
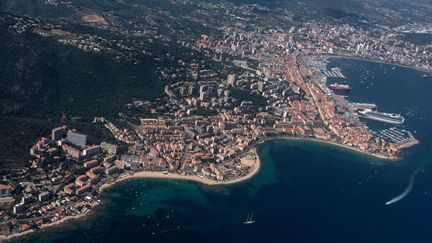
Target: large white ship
<point>382,116</point>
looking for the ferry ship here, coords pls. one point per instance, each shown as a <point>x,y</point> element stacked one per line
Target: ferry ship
<point>382,116</point>
<point>343,87</point>
<point>364,106</point>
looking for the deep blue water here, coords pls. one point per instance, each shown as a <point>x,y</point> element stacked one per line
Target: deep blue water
<point>305,192</point>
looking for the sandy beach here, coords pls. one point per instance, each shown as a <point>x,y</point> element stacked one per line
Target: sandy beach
<point>160,175</point>
<point>255,167</point>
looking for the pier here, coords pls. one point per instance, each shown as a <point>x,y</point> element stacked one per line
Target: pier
<point>401,138</point>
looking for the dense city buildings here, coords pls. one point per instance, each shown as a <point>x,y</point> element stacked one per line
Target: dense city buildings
<point>225,91</point>
<point>198,129</point>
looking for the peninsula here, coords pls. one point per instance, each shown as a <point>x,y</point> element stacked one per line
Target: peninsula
<point>200,131</point>
<point>232,76</point>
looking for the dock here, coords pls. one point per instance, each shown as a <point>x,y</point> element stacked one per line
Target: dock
<point>401,138</point>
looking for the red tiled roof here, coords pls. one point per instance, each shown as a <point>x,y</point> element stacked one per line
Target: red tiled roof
<point>5,187</point>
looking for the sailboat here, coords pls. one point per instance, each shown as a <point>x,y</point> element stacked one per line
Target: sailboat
<point>249,220</point>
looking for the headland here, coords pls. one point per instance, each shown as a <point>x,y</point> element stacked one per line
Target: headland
<point>208,137</point>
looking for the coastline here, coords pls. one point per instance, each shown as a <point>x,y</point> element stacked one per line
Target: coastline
<point>375,61</point>
<point>252,173</point>
<point>4,238</point>
<point>202,180</point>
<point>378,156</point>
<point>173,176</point>
<point>146,175</point>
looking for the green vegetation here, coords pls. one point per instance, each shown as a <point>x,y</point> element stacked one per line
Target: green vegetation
<point>17,136</point>
<point>41,80</point>
<point>245,95</point>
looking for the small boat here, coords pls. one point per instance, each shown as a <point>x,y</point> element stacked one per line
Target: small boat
<point>249,220</point>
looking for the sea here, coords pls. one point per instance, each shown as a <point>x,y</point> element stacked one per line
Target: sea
<point>305,191</point>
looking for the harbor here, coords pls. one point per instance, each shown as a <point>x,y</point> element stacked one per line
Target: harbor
<point>339,178</point>
<point>400,137</point>
<point>333,73</point>
<point>322,73</point>
<point>369,111</point>
<point>319,65</point>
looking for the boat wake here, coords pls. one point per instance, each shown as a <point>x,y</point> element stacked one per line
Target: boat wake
<point>171,229</point>
<point>408,189</point>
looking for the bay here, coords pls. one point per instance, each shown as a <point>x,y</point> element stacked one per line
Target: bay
<point>305,191</point>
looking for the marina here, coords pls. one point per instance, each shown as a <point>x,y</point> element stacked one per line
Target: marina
<point>319,65</point>
<point>333,73</point>
<point>395,135</point>
<point>402,138</point>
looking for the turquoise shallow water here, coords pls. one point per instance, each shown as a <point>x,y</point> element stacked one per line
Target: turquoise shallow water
<point>305,192</point>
